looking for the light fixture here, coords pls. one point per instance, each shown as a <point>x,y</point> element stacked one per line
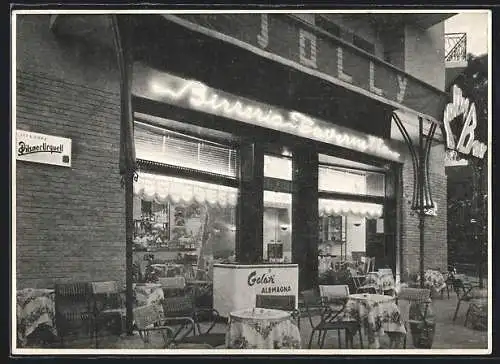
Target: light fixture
<point>286,152</point>
<point>357,224</point>
<point>284,227</point>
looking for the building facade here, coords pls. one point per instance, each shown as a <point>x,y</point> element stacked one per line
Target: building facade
<point>259,137</point>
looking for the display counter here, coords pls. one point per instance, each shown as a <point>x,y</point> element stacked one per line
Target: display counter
<point>235,286</point>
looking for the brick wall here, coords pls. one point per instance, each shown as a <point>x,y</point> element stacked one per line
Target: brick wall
<point>70,222</point>
<point>435,235</point>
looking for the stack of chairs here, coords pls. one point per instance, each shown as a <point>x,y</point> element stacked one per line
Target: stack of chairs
<point>74,312</point>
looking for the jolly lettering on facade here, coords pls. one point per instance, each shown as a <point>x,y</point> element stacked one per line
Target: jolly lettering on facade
<point>309,53</point>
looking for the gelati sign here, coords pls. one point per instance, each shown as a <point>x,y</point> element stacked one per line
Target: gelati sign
<point>267,282</point>
<point>285,39</point>
<point>192,94</point>
<point>43,148</point>
<point>461,110</point>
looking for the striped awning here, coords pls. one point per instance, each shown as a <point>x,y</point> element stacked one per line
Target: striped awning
<point>350,208</point>
<point>163,189</point>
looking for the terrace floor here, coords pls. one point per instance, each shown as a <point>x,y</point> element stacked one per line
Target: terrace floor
<point>448,335</point>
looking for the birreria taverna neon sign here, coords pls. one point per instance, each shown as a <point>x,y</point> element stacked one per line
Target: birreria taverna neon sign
<point>461,106</point>
<point>201,97</point>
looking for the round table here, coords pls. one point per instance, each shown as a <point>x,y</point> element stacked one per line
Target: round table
<point>261,328</point>
<point>377,314</point>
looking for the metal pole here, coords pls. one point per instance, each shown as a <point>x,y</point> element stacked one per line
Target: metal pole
<point>129,230</point>
<point>420,199</point>
<point>476,218</point>
<point>124,59</point>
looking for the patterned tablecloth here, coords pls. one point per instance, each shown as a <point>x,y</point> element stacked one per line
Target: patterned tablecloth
<point>380,281</point>
<point>35,308</point>
<point>434,280</point>
<point>377,313</point>
<point>262,328</point>
<point>148,293</point>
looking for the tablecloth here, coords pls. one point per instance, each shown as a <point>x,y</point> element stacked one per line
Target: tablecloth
<point>434,280</point>
<point>35,308</point>
<point>148,293</point>
<point>380,282</point>
<point>377,313</point>
<point>262,329</point>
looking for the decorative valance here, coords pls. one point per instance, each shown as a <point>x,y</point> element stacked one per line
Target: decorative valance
<point>163,189</point>
<point>350,208</point>
<point>277,199</point>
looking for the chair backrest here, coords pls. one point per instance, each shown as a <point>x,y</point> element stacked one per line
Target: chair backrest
<point>369,264</point>
<point>74,290</point>
<point>106,295</point>
<point>285,303</point>
<point>147,320</point>
<point>312,303</point>
<point>384,271</point>
<point>311,298</point>
<point>108,287</point>
<point>178,282</point>
<point>176,306</point>
<point>372,278</point>
<point>334,292</point>
<point>72,304</point>
<point>147,316</point>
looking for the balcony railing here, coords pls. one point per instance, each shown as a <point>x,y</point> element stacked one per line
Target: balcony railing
<point>455,47</point>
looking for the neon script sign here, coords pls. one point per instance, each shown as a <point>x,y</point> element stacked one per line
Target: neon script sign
<point>201,97</point>
<point>461,106</point>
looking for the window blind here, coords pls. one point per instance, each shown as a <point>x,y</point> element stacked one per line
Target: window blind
<point>344,180</point>
<point>176,149</point>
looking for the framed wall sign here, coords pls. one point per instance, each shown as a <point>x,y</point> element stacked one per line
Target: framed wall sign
<point>43,148</point>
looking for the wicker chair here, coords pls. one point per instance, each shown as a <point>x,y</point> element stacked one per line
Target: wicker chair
<point>415,295</point>
<point>466,293</point>
<point>148,320</point>
<point>73,309</point>
<point>107,308</point>
<point>284,303</point>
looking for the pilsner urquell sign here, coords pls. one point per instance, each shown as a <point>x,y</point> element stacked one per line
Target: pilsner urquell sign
<point>43,148</point>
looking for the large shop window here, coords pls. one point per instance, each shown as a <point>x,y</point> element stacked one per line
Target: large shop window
<point>277,228</point>
<point>346,221</point>
<point>182,225</point>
